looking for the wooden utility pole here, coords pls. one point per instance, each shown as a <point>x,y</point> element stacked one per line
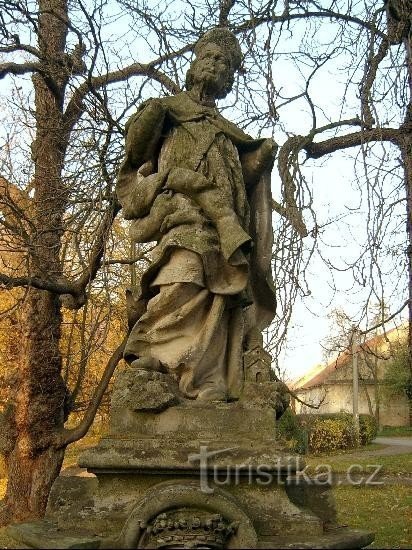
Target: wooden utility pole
<point>355,383</point>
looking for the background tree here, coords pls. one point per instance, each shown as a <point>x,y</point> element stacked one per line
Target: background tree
<point>396,379</point>
<point>375,351</point>
<point>73,72</point>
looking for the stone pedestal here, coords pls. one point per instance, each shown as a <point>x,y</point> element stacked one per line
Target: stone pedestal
<point>174,473</point>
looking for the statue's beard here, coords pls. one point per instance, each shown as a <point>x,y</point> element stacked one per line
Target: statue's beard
<point>204,81</point>
<point>210,86</point>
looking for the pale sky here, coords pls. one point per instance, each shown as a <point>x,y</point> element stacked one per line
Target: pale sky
<point>334,195</point>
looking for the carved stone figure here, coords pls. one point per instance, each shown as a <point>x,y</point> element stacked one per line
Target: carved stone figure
<point>199,187</point>
<point>202,469</point>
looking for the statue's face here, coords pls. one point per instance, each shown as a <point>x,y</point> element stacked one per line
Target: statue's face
<point>212,68</point>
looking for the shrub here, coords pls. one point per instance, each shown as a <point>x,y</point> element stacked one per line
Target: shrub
<point>291,432</point>
<point>368,428</point>
<point>324,433</point>
<point>331,434</point>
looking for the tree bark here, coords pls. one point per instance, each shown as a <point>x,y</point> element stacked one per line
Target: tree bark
<point>40,394</point>
<point>406,152</point>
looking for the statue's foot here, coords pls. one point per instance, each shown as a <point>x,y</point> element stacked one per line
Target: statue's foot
<point>148,363</point>
<point>212,395</point>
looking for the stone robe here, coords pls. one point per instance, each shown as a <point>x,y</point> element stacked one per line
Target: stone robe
<point>186,191</point>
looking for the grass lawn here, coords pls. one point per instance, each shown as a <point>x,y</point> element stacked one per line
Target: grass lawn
<point>396,431</point>
<point>392,465</point>
<point>385,510</point>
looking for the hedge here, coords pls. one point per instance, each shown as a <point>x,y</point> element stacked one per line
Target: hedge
<point>368,428</point>
<point>324,433</point>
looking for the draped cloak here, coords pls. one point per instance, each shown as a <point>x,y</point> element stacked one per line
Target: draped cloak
<point>209,281</point>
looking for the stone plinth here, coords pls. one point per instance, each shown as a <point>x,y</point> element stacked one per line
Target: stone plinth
<point>175,473</point>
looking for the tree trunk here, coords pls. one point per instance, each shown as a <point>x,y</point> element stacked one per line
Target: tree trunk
<point>406,151</point>
<point>407,159</point>
<point>377,396</point>
<point>33,463</point>
<point>40,395</point>
<point>368,399</point>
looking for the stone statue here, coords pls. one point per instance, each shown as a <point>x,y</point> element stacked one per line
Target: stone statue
<point>198,399</point>
<point>199,187</point>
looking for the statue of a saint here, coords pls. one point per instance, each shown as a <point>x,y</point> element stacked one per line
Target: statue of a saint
<point>199,187</point>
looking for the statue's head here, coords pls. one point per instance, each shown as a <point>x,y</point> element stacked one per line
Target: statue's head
<point>218,57</point>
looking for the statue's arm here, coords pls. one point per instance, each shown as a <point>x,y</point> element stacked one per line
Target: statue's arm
<point>143,131</point>
<point>135,190</point>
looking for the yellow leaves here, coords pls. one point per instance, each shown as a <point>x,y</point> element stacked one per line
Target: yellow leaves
<point>330,435</point>
<point>3,485</point>
<point>13,201</point>
<point>9,341</point>
<point>89,337</point>
<point>332,432</point>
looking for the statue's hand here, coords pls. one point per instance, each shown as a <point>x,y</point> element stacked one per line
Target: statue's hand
<point>146,169</point>
<point>254,163</point>
<point>267,152</point>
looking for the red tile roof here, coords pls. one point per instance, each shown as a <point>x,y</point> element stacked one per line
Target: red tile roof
<point>318,374</point>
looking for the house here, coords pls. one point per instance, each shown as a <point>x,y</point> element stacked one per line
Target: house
<point>331,386</point>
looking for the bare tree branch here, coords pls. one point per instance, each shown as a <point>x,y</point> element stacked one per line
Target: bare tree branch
<point>69,436</point>
<point>18,68</point>
<point>98,248</point>
<point>56,287</point>
<point>20,47</point>
<point>368,81</point>
<point>318,149</point>
<point>287,17</point>
<point>75,106</point>
<point>225,7</point>
<point>287,162</point>
<point>383,323</point>
<point>302,402</point>
<point>281,210</point>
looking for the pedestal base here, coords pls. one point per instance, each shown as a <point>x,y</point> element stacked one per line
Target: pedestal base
<point>148,511</point>
<point>188,476</point>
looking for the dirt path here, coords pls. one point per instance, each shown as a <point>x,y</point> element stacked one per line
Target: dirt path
<point>395,441</point>
<point>390,447</point>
